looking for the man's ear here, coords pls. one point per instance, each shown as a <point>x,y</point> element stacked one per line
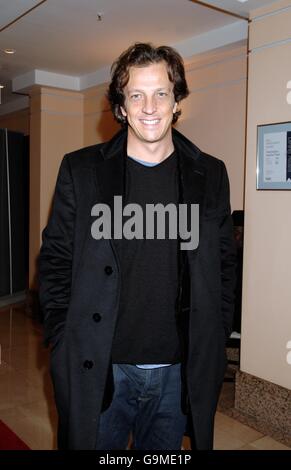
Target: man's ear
<point>175,108</point>
<point>124,113</point>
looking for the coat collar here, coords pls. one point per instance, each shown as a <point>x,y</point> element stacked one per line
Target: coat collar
<point>111,169</point>
<point>192,173</point>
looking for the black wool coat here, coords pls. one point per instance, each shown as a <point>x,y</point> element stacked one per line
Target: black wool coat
<point>80,288</point>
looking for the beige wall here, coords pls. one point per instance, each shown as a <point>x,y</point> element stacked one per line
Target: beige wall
<point>56,128</point>
<point>214,115</point>
<point>17,121</point>
<point>266,317</point>
<point>99,124</point>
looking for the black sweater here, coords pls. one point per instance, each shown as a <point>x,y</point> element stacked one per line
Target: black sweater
<point>146,329</point>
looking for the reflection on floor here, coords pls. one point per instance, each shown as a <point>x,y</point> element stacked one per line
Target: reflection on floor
<point>26,395</point>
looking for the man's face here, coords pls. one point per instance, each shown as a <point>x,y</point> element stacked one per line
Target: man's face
<point>149,103</point>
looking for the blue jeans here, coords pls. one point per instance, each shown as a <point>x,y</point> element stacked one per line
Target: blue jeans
<point>147,404</point>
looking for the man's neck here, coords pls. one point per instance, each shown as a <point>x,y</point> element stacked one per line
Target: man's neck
<point>153,152</point>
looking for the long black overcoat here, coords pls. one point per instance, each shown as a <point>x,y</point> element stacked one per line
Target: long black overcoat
<point>80,288</point>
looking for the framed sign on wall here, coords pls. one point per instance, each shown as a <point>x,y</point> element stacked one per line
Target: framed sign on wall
<point>274,156</point>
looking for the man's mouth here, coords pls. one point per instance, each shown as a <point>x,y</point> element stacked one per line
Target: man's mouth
<point>150,122</point>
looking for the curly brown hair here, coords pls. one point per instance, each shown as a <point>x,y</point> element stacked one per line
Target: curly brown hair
<point>139,55</point>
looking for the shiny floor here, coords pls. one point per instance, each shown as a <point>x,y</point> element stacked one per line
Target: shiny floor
<point>26,395</point>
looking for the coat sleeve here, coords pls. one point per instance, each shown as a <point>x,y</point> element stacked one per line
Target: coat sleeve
<point>228,253</point>
<point>55,261</point>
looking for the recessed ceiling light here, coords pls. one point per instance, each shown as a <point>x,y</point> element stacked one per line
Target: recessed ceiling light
<point>242,1</point>
<point>9,51</point>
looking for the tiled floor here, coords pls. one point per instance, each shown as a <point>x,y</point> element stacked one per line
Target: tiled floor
<point>26,395</point>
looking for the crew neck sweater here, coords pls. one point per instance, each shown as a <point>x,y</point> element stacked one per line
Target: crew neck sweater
<point>146,327</point>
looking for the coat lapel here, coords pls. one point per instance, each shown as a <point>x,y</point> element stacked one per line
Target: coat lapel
<point>192,190</point>
<point>110,171</point>
<point>192,173</point>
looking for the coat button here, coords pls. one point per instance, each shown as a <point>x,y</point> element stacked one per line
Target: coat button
<point>88,364</point>
<point>96,317</point>
<point>108,270</point>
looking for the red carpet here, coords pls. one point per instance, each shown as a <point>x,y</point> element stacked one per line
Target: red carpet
<point>9,440</point>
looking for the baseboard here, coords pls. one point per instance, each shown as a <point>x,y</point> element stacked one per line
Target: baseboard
<point>264,406</point>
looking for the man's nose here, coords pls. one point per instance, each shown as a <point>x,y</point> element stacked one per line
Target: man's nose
<point>149,105</point>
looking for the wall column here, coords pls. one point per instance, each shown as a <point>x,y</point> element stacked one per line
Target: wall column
<point>56,128</point>
<point>263,385</point>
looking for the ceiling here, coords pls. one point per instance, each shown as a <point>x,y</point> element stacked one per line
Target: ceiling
<point>239,7</point>
<point>65,37</point>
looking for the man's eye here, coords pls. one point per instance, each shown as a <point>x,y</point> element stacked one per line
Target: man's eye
<point>162,94</point>
<point>135,96</point>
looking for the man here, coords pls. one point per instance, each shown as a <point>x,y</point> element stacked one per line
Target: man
<point>137,324</point>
